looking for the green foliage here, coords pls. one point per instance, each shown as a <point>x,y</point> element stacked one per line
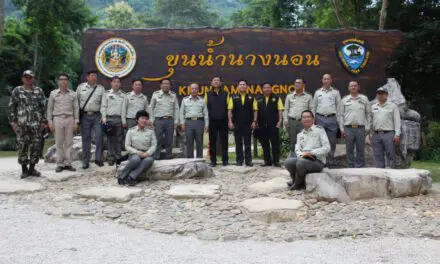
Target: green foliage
<point>284,143</point>
<point>432,149</point>
<point>121,15</point>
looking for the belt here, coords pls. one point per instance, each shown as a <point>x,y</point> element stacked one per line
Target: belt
<point>195,118</point>
<point>329,115</point>
<point>164,117</point>
<point>293,118</point>
<point>63,116</point>
<point>114,116</point>
<point>355,126</point>
<point>91,112</point>
<point>383,131</point>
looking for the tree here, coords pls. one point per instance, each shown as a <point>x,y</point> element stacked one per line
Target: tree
<point>2,22</point>
<point>121,15</point>
<point>383,14</point>
<point>184,13</point>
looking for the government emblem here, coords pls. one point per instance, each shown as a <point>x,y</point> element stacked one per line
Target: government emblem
<point>353,54</point>
<point>115,57</point>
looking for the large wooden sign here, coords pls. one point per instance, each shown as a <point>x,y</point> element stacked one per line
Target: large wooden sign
<point>255,54</point>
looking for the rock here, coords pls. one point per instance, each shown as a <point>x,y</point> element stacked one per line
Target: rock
<point>110,194</point>
<point>265,187</point>
<point>237,169</point>
<point>355,184</point>
<point>60,176</point>
<point>341,156</point>
<point>268,209</point>
<point>207,235</point>
<point>75,154</point>
<point>175,169</point>
<point>19,187</point>
<point>191,191</point>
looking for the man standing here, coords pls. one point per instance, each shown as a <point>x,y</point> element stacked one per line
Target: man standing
<point>217,102</point>
<point>242,115</point>
<point>141,144</point>
<point>270,116</point>
<point>134,102</point>
<point>354,121</point>
<point>296,102</point>
<point>112,110</point>
<point>311,150</point>
<point>165,117</point>
<point>194,120</point>
<point>385,128</point>
<point>63,117</point>
<point>326,102</point>
<point>90,96</point>
<point>26,117</point>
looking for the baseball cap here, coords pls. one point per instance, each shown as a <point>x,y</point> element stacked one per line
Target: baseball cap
<point>382,90</point>
<point>29,73</point>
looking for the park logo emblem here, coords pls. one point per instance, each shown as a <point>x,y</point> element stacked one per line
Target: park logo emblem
<point>353,54</point>
<point>115,57</point>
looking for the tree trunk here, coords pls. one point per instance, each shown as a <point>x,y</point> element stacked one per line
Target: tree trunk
<point>383,15</point>
<point>338,15</point>
<point>2,22</point>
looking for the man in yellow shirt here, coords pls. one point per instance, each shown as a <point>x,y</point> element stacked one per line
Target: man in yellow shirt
<point>270,116</point>
<point>242,115</point>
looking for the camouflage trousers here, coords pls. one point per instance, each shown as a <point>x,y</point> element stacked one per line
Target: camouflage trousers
<point>29,144</point>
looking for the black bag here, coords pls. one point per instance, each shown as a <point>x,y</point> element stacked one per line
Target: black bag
<point>81,110</point>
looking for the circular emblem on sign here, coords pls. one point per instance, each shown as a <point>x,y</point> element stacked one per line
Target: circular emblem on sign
<point>115,56</point>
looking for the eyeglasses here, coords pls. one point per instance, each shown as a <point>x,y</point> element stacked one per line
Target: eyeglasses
<point>63,79</point>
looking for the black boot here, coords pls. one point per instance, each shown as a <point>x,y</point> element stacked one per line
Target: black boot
<point>24,171</point>
<point>33,171</point>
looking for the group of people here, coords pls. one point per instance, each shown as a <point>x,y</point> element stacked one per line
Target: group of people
<point>312,124</point>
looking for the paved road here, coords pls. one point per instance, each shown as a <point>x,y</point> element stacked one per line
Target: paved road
<point>27,236</point>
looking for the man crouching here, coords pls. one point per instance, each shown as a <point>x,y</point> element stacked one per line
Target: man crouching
<point>312,147</point>
<point>141,143</point>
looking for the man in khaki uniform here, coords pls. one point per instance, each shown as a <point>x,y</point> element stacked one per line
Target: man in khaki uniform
<point>385,129</point>
<point>112,110</point>
<point>354,121</point>
<point>165,117</point>
<point>296,102</point>
<point>91,116</point>
<point>311,149</point>
<point>63,117</point>
<point>326,104</point>
<point>194,120</point>
<point>134,102</point>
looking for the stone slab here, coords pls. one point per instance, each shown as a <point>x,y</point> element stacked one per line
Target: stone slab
<point>19,187</point>
<point>277,184</point>
<point>268,209</point>
<point>193,191</point>
<point>110,194</point>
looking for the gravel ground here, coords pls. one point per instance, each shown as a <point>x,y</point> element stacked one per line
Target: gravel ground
<point>32,237</point>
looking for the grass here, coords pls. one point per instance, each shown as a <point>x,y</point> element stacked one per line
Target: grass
<point>432,166</point>
<point>7,154</point>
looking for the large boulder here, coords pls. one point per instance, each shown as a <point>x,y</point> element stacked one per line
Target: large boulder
<point>174,169</point>
<point>75,154</point>
<point>353,184</point>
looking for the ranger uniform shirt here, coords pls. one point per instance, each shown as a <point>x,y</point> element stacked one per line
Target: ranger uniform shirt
<point>94,104</point>
<point>194,108</point>
<point>327,101</point>
<point>295,104</point>
<point>113,103</point>
<point>354,111</point>
<point>164,104</point>
<point>140,140</point>
<point>62,104</point>
<point>27,107</point>
<point>386,117</point>
<point>134,103</point>
<point>313,140</point>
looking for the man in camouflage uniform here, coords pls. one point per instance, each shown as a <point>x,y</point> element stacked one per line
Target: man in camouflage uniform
<point>26,116</point>
<point>165,117</point>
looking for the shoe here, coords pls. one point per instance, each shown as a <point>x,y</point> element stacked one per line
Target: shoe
<point>99,163</point>
<point>276,164</point>
<point>249,164</point>
<point>33,171</point>
<point>121,181</point>
<point>69,168</point>
<point>130,181</point>
<point>290,183</point>
<point>111,163</point>
<point>295,187</point>
<point>213,164</point>
<point>239,163</point>
<point>59,169</point>
<point>225,163</point>
<point>24,171</point>
<point>85,166</point>
<point>265,165</point>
